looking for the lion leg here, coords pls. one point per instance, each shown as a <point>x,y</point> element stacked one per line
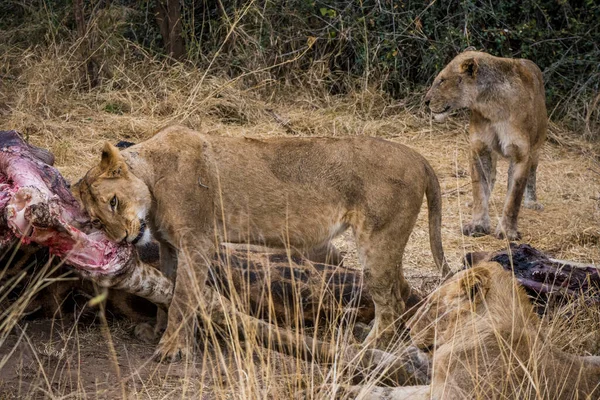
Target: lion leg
<point>511,174</point>
<point>380,254</point>
<point>192,270</point>
<point>507,228</point>
<point>326,254</point>
<point>492,169</point>
<point>530,189</point>
<point>483,177</point>
<point>168,266</point>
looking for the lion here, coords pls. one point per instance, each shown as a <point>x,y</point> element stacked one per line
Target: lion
<point>488,343</point>
<point>193,190</point>
<point>508,117</point>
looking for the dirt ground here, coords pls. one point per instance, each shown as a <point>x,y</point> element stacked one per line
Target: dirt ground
<point>62,359</point>
<point>88,359</point>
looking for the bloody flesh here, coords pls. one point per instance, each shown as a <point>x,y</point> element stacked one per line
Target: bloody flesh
<point>36,206</point>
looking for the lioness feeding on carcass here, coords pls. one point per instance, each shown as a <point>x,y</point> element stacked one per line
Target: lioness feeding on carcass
<point>508,117</point>
<point>39,216</point>
<point>194,190</point>
<point>38,213</point>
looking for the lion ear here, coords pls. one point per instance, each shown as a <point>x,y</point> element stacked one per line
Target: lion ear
<point>112,162</point>
<point>470,66</point>
<point>476,283</point>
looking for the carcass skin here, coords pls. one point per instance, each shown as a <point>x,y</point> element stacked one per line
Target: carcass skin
<point>36,206</point>
<point>541,275</point>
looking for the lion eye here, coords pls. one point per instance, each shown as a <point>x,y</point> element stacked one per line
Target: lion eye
<point>96,223</point>
<point>114,202</point>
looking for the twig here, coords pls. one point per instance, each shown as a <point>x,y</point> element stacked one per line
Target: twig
<point>591,110</point>
<point>594,171</point>
<point>9,77</point>
<point>452,191</point>
<point>283,122</point>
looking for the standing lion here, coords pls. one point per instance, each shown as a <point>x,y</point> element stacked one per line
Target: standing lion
<point>508,116</point>
<point>193,190</point>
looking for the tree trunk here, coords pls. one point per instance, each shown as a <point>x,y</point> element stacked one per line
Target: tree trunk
<point>89,70</point>
<point>168,18</point>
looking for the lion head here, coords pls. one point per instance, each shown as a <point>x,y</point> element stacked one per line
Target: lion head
<point>447,306</point>
<point>456,85</point>
<point>115,199</point>
<point>484,294</point>
<point>489,343</point>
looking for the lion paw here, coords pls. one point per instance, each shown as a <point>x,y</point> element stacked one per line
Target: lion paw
<point>170,352</point>
<point>475,230</point>
<point>533,205</point>
<point>509,234</point>
<point>384,335</point>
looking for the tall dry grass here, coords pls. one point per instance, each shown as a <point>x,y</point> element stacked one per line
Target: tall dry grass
<point>44,94</point>
<point>231,359</point>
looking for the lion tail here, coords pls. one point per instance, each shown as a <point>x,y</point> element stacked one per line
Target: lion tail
<point>434,207</point>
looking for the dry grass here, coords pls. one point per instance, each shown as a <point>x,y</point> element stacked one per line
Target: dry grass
<point>41,96</point>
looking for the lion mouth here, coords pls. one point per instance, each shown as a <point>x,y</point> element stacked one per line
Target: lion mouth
<point>140,234</point>
<point>445,110</point>
<point>440,116</point>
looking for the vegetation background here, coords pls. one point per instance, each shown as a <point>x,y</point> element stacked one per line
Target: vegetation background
<point>394,46</point>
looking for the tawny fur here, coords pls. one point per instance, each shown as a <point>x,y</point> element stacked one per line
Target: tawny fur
<point>195,190</point>
<point>508,117</point>
<point>488,343</point>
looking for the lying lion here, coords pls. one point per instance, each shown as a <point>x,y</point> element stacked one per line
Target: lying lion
<point>508,117</point>
<point>488,343</point>
<point>193,190</point>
